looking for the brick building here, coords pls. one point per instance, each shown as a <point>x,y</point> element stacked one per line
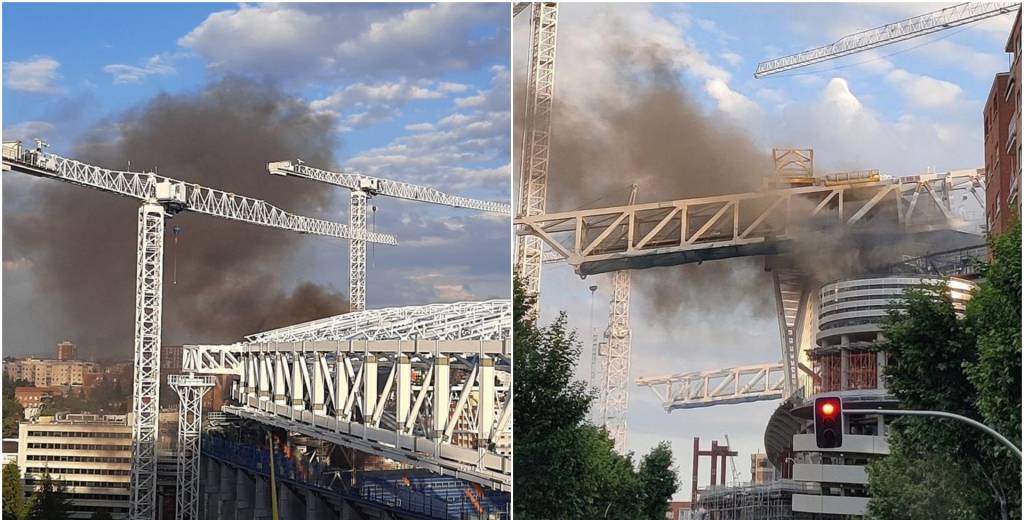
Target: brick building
<point>66,351</point>
<point>1002,121</point>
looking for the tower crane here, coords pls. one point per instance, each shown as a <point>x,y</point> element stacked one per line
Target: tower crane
<point>363,187</point>
<point>160,197</point>
<point>615,394</point>
<point>914,27</point>
<point>533,171</point>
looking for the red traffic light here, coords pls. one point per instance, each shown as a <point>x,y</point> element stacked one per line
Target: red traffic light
<point>828,409</point>
<point>828,422</point>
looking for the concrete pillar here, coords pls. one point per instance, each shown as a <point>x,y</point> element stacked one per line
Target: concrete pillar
<point>485,412</point>
<point>261,498</point>
<point>244,494</point>
<point>341,386</point>
<point>442,398</point>
<point>227,493</point>
<point>298,384</point>
<point>348,512</point>
<point>369,386</point>
<point>844,363</point>
<point>288,504</point>
<point>264,368</point>
<point>279,395</point>
<point>317,396</point>
<point>880,359</point>
<point>316,508</point>
<point>403,394</point>
<point>212,488</point>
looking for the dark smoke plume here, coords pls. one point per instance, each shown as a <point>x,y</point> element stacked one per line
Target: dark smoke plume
<point>82,242</point>
<point>652,132</point>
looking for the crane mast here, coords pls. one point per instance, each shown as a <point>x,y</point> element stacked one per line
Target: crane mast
<point>615,392</point>
<point>922,25</point>
<point>362,188</point>
<point>540,92</point>
<point>160,197</point>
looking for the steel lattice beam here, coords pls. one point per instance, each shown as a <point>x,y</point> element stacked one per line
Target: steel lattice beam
<point>446,412</point>
<point>744,384</point>
<point>190,390</point>
<point>372,186</point>
<point>180,195</point>
<point>922,25</point>
<point>537,138</point>
<point>639,236</point>
<point>463,320</point>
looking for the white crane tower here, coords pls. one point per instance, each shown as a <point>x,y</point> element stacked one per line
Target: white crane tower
<point>363,187</point>
<point>533,171</point>
<point>160,197</point>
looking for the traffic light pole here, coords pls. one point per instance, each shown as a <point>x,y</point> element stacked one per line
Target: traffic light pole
<point>947,415</point>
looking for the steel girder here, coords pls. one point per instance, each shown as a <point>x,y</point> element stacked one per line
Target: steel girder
<point>451,412</point>
<point>794,299</point>
<point>193,197</point>
<point>146,380</point>
<point>540,94</point>
<point>744,384</point>
<point>639,236</point>
<point>190,390</point>
<point>491,319</point>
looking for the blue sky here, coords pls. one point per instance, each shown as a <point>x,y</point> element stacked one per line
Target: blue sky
<point>902,109</point>
<point>419,93</point>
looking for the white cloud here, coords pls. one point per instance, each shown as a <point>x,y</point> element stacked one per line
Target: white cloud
<point>302,42</point>
<point>925,91</point>
<point>37,76</point>
<point>732,58</point>
<point>368,104</point>
<point>154,66</point>
<point>28,130</point>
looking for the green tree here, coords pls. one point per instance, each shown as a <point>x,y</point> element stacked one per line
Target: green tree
<point>658,481</point>
<point>564,467</point>
<point>13,493</point>
<point>49,501</point>
<point>968,366</point>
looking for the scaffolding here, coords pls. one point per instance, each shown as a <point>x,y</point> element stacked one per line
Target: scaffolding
<point>767,501</point>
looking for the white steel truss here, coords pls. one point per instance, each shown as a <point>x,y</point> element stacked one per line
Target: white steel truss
<point>363,187</point>
<point>680,231</point>
<point>491,319</point>
<point>744,384</point>
<point>922,25</point>
<point>372,186</point>
<point>615,397</point>
<point>190,389</point>
<point>357,253</point>
<point>160,197</point>
<point>146,381</point>
<point>794,294</point>
<point>445,411</point>
<point>540,93</point>
<point>179,195</point>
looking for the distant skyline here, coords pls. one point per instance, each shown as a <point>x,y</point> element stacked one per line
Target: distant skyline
<point>902,109</point>
<point>420,93</point>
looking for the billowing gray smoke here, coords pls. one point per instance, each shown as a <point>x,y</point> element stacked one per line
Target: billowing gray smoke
<point>82,242</point>
<point>652,132</point>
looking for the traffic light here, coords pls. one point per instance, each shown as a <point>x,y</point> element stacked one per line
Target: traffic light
<point>828,422</point>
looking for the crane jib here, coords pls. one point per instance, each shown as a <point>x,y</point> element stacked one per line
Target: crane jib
<point>177,195</point>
